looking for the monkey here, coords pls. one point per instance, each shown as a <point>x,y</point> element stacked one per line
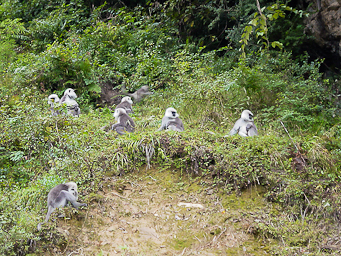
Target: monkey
<point>245,126</point>
<point>171,121</point>
<point>124,122</point>
<point>69,99</point>
<point>53,100</point>
<point>59,196</point>
<point>126,104</point>
<point>139,94</point>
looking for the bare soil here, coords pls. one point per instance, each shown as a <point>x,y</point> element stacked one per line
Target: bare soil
<point>139,214</point>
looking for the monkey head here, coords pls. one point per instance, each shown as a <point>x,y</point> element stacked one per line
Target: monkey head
<point>53,98</point>
<point>127,99</point>
<point>71,93</point>
<point>118,112</point>
<point>171,113</point>
<point>247,115</point>
<point>72,188</point>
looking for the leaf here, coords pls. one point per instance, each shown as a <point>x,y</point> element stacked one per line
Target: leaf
<point>254,22</point>
<point>94,88</point>
<point>278,44</point>
<point>248,29</point>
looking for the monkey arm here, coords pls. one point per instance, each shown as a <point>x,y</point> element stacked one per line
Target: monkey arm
<point>62,100</point>
<point>129,110</point>
<point>77,110</point>
<point>130,125</point>
<point>163,127</point>
<point>253,131</point>
<point>71,198</point>
<point>164,124</point>
<point>182,126</point>
<point>235,128</point>
<point>74,110</point>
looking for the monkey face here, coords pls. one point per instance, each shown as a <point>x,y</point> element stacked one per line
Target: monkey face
<point>53,98</point>
<point>71,93</point>
<point>74,192</point>
<point>73,189</point>
<point>171,113</point>
<point>247,115</point>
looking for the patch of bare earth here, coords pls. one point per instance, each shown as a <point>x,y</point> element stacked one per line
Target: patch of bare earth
<point>159,213</point>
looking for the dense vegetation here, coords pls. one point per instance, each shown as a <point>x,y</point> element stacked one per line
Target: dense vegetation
<point>199,57</point>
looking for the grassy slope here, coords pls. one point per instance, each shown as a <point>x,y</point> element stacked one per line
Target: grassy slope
<point>64,148</point>
<point>38,152</point>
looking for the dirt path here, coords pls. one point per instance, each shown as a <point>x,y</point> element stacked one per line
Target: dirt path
<point>140,214</point>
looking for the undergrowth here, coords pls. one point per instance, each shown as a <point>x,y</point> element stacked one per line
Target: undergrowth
<point>296,157</point>
<point>39,152</point>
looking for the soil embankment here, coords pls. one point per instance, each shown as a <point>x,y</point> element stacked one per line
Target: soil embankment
<point>142,214</point>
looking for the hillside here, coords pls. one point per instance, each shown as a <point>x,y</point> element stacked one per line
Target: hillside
<point>146,219</point>
<point>276,193</point>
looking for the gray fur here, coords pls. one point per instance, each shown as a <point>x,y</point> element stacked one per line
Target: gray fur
<point>124,122</point>
<point>69,99</point>
<point>59,196</point>
<point>54,101</point>
<point>171,121</point>
<point>126,104</point>
<point>140,93</point>
<point>245,126</point>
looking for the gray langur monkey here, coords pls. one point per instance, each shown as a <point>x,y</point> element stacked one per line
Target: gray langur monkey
<point>171,121</point>
<point>59,196</point>
<point>69,99</point>
<point>126,104</point>
<point>124,122</point>
<point>53,100</point>
<point>140,93</point>
<point>245,126</point>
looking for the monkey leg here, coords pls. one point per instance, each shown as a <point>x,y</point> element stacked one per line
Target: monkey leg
<point>119,129</point>
<point>49,212</point>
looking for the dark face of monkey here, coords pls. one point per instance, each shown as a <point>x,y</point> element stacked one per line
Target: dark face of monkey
<point>250,116</point>
<point>174,113</point>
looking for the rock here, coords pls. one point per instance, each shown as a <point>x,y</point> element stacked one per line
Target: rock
<point>148,232</point>
<point>325,25</point>
<point>191,205</point>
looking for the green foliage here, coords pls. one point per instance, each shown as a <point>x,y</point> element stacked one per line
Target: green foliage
<point>10,30</point>
<point>291,91</point>
<point>209,88</point>
<point>57,24</point>
<point>260,25</point>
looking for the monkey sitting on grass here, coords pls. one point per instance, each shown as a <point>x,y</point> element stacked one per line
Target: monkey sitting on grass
<point>245,126</point>
<point>171,121</point>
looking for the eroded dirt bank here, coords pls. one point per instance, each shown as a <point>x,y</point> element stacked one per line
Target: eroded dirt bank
<point>140,214</point>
